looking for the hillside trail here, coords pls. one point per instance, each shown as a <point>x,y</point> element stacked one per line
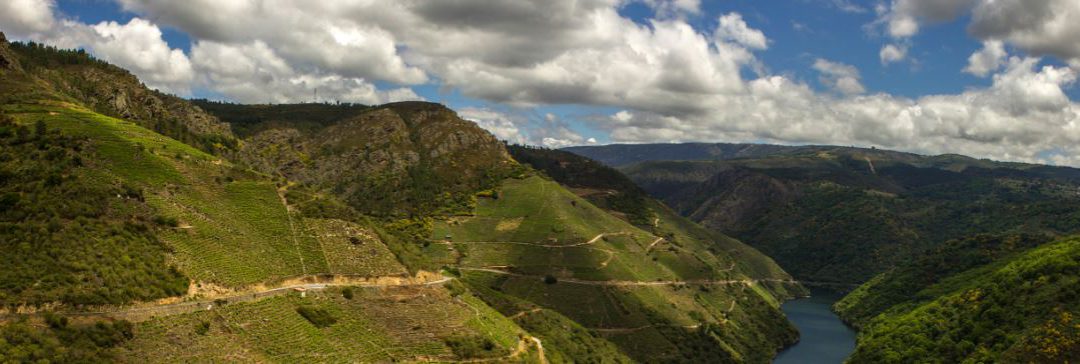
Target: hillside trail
<point>144,312</point>
<point>292,227</point>
<point>622,283</point>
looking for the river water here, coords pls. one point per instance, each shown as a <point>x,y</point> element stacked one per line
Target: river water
<point>824,338</point>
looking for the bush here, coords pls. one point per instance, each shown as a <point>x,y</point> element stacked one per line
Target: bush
<point>347,292</point>
<point>166,221</point>
<point>474,346</point>
<point>202,327</point>
<point>319,317</point>
<point>550,279</point>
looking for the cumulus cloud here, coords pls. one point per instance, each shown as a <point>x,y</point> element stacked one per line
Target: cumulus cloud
<point>988,59</point>
<point>504,126</point>
<point>840,77</point>
<point>1023,114</point>
<point>1047,27</point>
<point>1044,27</point>
<point>520,127</point>
<point>733,28</point>
<point>254,73</point>
<point>21,18</point>
<point>892,53</point>
<point>136,45</point>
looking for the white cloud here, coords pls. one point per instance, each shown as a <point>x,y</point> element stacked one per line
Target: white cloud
<point>988,59</point>
<point>892,53</point>
<point>1024,113</point>
<point>841,77</point>
<point>254,73</point>
<point>504,126</point>
<point>136,46</point>
<point>1043,27</point>
<point>733,28</point>
<point>1046,27</point>
<point>21,18</point>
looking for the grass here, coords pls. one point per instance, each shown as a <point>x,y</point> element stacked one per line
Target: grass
<point>375,326</point>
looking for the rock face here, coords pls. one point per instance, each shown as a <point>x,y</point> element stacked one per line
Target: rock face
<point>8,61</point>
<point>119,94</point>
<point>398,158</point>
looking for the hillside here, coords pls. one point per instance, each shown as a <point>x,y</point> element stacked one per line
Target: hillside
<point>845,214</point>
<point>122,244</point>
<point>663,291</point>
<point>984,299</point>
<point>331,233</point>
<point>401,159</point>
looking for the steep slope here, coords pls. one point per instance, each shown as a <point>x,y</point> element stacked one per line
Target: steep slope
<point>1019,307</point>
<point>74,76</point>
<point>308,241</point>
<point>845,214</point>
<point>121,244</point>
<point>665,290</point>
<point>409,158</point>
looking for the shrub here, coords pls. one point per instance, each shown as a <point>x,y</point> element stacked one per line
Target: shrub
<point>471,346</point>
<point>319,317</point>
<point>168,221</point>
<point>347,292</point>
<point>550,279</point>
<point>202,327</point>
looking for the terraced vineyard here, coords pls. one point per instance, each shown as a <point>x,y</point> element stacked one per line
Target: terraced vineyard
<point>538,243</point>
<point>352,249</point>
<point>376,325</point>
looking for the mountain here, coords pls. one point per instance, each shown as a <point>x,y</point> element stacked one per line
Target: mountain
<point>839,214</point>
<point>621,155</point>
<point>404,158</point>
<point>140,227</point>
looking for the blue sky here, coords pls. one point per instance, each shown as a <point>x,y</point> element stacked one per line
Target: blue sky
<point>565,72</point>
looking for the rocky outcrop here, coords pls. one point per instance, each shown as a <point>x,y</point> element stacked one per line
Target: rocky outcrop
<point>397,158</point>
<point>8,61</point>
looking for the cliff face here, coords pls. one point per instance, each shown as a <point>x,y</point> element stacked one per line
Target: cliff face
<point>391,159</point>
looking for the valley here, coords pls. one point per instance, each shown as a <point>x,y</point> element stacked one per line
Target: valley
<point>142,227</point>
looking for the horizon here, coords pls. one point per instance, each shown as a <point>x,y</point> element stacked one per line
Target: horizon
<point>915,76</point>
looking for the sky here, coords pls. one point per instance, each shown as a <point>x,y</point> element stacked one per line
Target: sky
<point>986,78</point>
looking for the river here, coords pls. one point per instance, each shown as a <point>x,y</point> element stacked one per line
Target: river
<point>824,339</point>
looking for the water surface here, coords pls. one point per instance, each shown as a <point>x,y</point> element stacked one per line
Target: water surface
<point>824,339</point>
